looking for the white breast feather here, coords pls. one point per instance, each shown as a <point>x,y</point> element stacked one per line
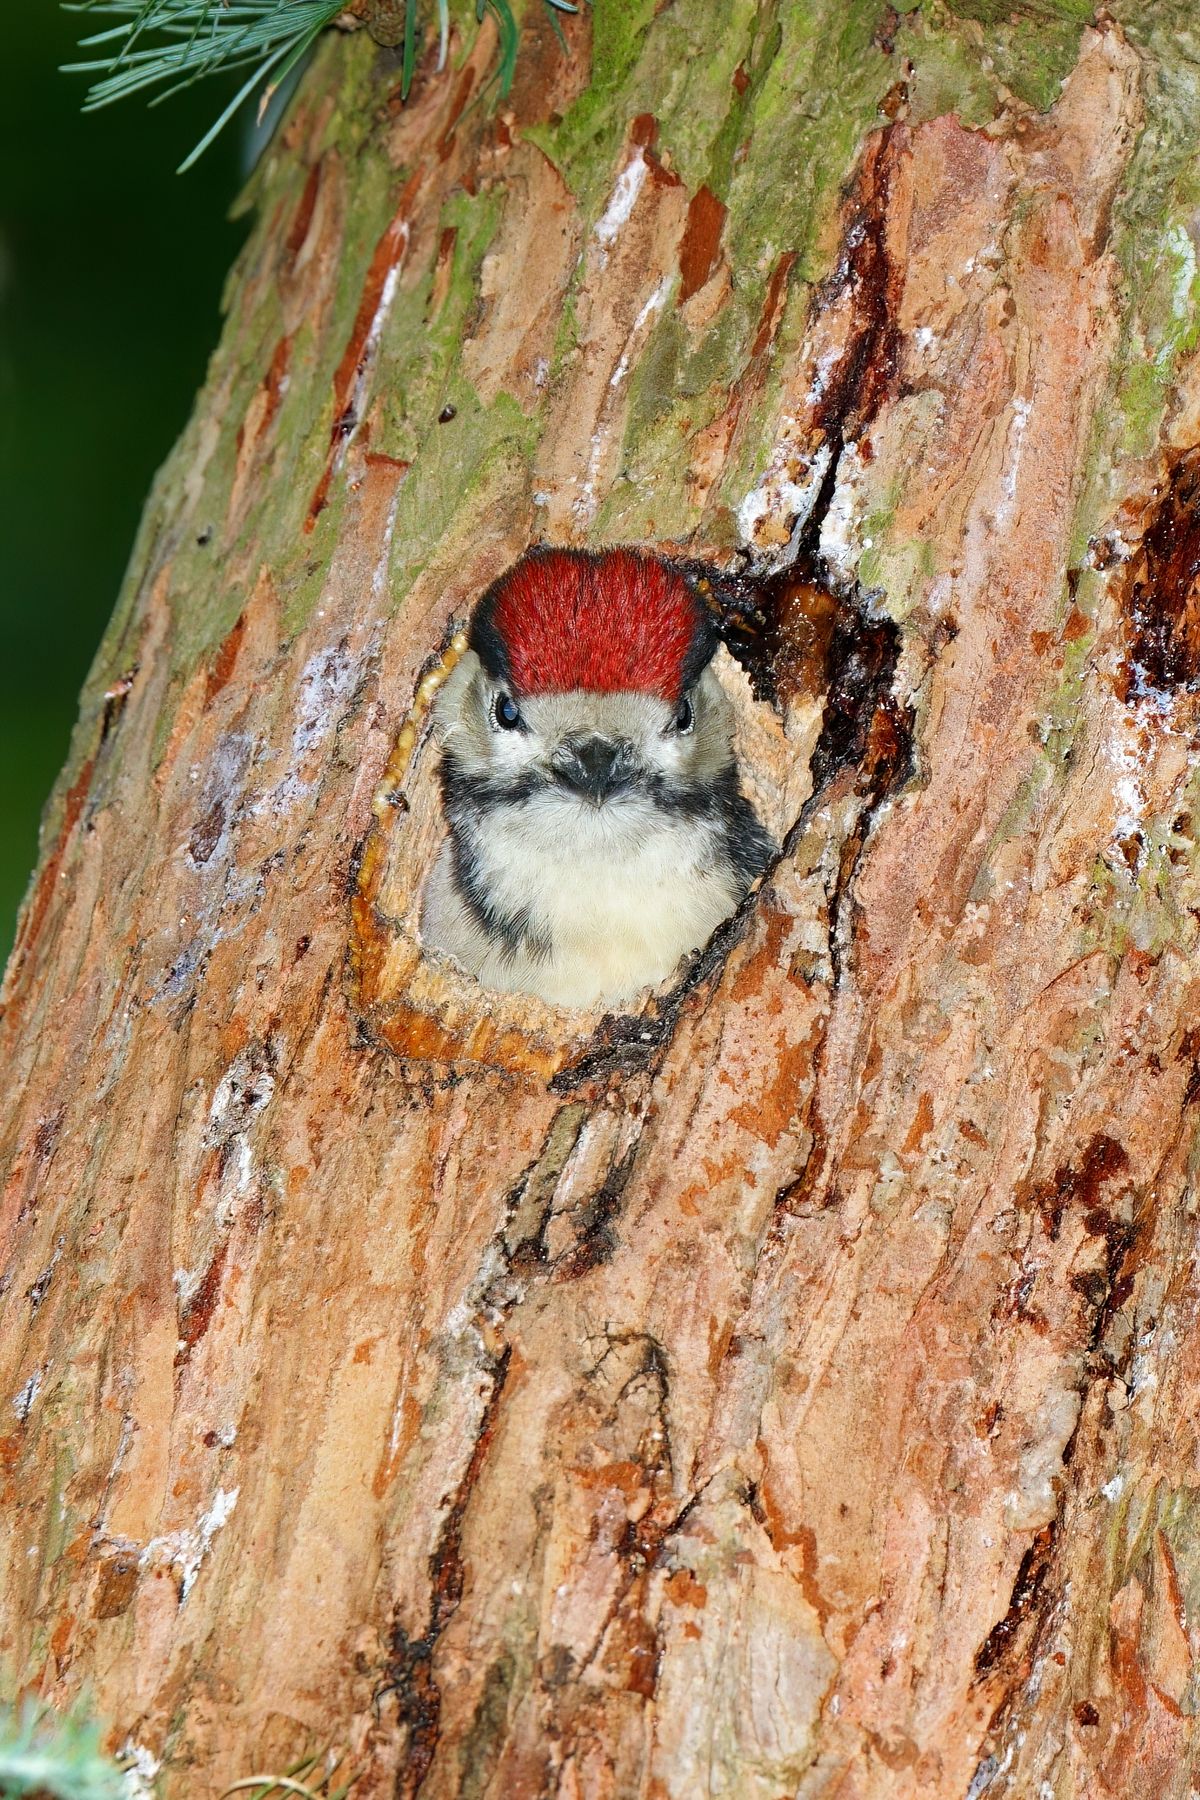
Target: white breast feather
<point>620,892</point>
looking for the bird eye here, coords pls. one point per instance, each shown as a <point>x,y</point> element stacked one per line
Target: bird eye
<point>506,713</point>
<point>685,717</point>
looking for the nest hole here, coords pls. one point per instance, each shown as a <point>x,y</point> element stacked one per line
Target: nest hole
<point>809,677</point>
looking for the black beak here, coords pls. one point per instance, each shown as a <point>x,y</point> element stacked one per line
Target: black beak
<point>593,766</point>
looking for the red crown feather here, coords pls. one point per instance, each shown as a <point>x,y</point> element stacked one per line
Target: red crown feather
<point>610,621</point>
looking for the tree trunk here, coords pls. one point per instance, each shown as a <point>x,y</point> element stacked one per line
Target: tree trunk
<point>791,1388</point>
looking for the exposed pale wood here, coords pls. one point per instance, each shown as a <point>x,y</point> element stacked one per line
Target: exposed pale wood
<point>793,1389</point>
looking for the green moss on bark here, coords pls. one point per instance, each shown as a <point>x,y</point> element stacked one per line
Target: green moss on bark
<point>1154,220</point>
<point>1031,46</point>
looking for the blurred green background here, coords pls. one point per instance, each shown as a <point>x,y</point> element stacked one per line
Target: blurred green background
<point>111,268</point>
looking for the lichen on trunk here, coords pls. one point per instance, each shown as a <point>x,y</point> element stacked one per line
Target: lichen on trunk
<point>787,1385</point>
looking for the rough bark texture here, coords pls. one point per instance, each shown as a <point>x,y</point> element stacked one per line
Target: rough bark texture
<point>791,1389</point>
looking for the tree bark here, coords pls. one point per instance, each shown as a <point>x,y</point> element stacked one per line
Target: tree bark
<point>790,1388</point>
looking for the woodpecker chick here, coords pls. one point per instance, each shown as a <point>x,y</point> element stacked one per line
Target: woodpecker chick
<point>597,831</point>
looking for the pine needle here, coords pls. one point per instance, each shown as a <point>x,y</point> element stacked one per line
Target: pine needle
<point>510,37</point>
<point>270,1784</point>
<point>188,39</point>
<point>165,45</point>
<point>410,40</point>
<point>292,1781</point>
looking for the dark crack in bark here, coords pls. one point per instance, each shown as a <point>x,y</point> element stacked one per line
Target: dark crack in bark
<point>597,1239</point>
<point>1002,1639</point>
<point>408,1671</point>
<point>1162,588</point>
<point>793,628</point>
<point>1011,1648</point>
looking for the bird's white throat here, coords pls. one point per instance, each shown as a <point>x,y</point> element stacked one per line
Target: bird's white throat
<point>617,894</point>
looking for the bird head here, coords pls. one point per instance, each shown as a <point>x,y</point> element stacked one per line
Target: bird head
<point>588,688</point>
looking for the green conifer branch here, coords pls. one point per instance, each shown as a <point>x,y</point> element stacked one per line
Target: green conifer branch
<point>44,1753</point>
<point>168,44</point>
